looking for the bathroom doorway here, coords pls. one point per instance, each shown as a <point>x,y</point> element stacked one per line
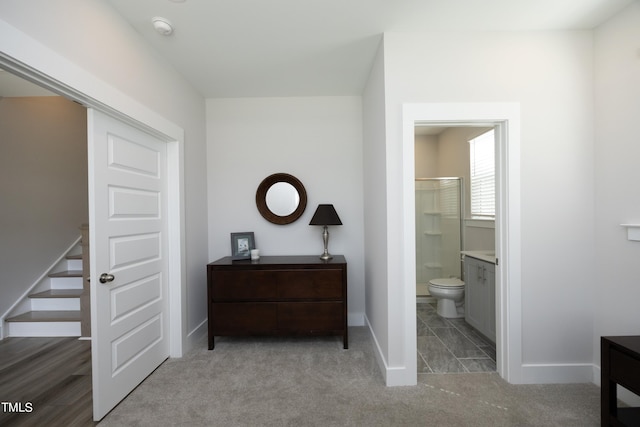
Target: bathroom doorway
<point>446,341</point>
<point>505,118</point>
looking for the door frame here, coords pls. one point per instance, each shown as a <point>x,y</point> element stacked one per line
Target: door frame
<point>38,64</point>
<point>505,117</point>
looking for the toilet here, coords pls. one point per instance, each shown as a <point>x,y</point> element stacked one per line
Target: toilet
<point>450,295</point>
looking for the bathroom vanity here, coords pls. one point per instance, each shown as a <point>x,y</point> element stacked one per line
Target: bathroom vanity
<point>480,291</point>
<point>277,295</point>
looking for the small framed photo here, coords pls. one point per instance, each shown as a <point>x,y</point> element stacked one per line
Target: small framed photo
<point>241,245</point>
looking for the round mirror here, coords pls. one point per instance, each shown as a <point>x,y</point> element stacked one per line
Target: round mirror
<point>281,198</point>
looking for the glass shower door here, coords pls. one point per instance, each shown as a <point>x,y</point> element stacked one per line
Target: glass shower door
<point>438,230</point>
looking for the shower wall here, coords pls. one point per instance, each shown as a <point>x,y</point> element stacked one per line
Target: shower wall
<point>438,228</point>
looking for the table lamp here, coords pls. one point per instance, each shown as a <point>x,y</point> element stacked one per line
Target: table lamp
<point>325,215</point>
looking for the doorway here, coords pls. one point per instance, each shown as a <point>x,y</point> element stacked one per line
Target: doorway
<point>451,338</point>
<point>505,118</point>
<point>135,115</point>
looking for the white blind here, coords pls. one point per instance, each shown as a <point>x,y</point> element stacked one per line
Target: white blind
<point>449,198</point>
<point>483,187</point>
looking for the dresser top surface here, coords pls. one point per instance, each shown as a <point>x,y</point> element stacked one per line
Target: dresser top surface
<point>280,260</point>
<point>630,343</point>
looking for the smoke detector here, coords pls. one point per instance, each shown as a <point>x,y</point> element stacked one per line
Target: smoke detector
<point>162,25</point>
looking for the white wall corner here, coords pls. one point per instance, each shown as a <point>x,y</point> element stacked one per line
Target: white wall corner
<point>356,319</point>
<point>382,362</point>
<point>596,375</point>
<point>393,375</point>
<point>195,336</point>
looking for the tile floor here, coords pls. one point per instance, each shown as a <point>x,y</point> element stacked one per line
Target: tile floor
<point>450,345</point>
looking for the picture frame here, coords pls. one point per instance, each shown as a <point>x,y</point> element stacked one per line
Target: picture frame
<point>241,245</point>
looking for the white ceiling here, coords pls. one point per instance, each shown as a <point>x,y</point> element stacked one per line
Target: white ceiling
<point>237,48</point>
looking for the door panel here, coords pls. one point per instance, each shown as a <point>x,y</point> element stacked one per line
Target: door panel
<point>128,235</point>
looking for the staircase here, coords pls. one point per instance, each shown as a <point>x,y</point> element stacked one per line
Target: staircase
<point>52,308</point>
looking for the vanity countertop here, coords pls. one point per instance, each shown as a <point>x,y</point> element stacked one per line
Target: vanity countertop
<point>488,255</point>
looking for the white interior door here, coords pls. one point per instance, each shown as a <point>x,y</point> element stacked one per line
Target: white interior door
<point>128,238</point>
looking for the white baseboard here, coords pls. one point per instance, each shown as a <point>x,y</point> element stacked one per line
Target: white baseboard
<point>596,375</point>
<point>393,376</point>
<point>382,363</point>
<point>195,336</point>
<point>44,329</point>
<point>557,373</point>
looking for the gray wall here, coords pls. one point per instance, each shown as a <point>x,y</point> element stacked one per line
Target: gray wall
<point>43,187</point>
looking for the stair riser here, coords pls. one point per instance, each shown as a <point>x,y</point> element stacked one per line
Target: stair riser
<point>66,282</point>
<point>55,304</point>
<point>74,264</point>
<point>43,329</point>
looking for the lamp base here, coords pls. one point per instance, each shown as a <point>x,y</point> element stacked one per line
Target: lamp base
<point>326,256</point>
<point>325,239</point>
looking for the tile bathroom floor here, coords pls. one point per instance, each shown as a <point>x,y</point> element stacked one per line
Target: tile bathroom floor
<point>450,345</point>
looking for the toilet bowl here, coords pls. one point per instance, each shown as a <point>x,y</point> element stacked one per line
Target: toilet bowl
<point>450,296</point>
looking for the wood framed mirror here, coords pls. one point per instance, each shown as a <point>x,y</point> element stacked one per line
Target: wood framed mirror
<point>281,198</point>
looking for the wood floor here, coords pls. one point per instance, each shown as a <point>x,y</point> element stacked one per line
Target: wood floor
<point>53,374</point>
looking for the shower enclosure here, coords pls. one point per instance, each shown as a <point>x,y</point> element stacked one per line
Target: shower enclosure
<point>438,230</point>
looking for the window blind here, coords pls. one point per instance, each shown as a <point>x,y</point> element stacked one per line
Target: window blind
<point>449,198</point>
<point>483,187</point>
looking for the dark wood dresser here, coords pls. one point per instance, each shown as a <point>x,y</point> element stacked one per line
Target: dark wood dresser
<point>277,295</point>
<point>620,364</point>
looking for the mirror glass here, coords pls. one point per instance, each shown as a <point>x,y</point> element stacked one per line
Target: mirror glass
<point>282,198</point>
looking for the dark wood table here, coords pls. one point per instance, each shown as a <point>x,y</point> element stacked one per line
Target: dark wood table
<point>277,295</point>
<point>620,360</point>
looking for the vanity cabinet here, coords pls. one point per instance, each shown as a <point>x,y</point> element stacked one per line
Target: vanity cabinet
<point>480,296</point>
<point>277,295</point>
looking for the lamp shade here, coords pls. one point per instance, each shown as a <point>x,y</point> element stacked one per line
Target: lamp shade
<point>325,215</point>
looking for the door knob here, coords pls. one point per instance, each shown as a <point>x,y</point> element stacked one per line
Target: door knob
<point>105,277</point>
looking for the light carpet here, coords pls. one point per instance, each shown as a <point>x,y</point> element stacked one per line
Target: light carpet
<point>314,382</point>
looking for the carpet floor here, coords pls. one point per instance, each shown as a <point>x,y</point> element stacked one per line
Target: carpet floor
<point>314,382</point>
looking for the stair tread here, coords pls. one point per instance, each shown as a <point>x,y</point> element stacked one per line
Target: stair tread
<point>77,256</point>
<point>58,293</point>
<point>46,316</point>
<point>68,273</point>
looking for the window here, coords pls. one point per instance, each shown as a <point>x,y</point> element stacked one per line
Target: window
<point>483,187</point>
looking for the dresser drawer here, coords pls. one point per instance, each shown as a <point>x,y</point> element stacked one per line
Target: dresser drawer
<point>243,285</point>
<point>244,318</point>
<point>311,316</point>
<point>277,295</point>
<point>304,284</point>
